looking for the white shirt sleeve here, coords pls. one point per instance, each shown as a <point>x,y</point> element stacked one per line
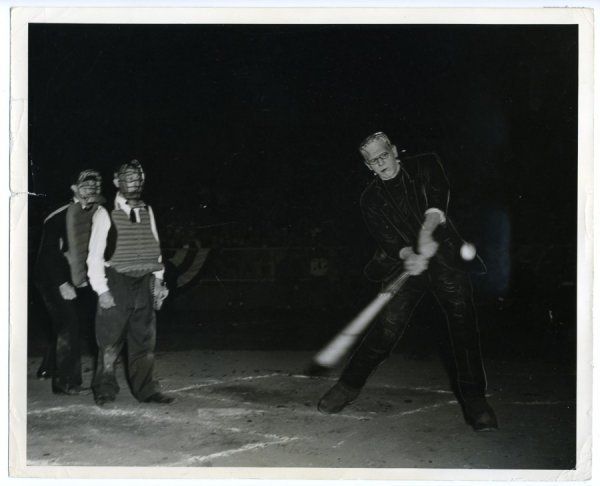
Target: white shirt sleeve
<point>159,274</point>
<point>439,211</point>
<point>95,260</point>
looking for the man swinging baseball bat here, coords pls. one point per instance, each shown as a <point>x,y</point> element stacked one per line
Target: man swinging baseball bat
<point>405,209</point>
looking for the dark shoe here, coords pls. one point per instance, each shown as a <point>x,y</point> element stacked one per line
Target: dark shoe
<point>104,399</point>
<point>337,398</point>
<point>315,370</point>
<point>43,374</point>
<point>480,415</point>
<point>159,397</point>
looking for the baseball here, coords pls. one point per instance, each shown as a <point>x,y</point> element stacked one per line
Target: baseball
<point>467,251</point>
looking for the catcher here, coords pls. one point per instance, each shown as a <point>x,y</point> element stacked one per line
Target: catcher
<point>125,269</point>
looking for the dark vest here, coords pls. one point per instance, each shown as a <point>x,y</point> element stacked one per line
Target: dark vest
<point>133,250</point>
<point>78,230</point>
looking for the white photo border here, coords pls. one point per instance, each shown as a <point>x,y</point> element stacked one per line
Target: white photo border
<point>22,16</point>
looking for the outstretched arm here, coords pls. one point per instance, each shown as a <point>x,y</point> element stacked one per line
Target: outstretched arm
<point>436,191</point>
<point>159,289</point>
<point>426,245</point>
<point>95,260</point>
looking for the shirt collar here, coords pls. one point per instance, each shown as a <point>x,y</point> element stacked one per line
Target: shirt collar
<point>77,201</point>
<point>121,203</point>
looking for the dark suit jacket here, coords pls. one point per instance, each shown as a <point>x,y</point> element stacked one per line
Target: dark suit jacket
<point>52,267</point>
<point>394,212</point>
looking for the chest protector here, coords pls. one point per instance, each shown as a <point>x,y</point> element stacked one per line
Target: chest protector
<point>132,248</point>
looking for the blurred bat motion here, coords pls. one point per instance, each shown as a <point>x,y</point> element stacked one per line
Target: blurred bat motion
<point>339,346</point>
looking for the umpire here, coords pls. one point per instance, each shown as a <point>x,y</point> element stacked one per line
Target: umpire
<point>124,265</point>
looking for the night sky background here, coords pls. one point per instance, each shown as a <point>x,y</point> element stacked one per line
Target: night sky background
<point>260,124</point>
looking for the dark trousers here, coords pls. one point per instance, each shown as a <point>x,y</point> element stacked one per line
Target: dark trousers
<point>133,320</point>
<point>453,292</point>
<point>69,319</point>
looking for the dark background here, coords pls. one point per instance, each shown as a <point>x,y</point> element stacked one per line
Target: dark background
<point>249,133</point>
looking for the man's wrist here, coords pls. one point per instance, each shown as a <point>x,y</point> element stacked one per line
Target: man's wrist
<point>431,222</point>
<point>437,211</point>
<point>101,290</point>
<point>405,252</point>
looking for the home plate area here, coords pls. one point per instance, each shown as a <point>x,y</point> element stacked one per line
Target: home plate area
<point>257,409</point>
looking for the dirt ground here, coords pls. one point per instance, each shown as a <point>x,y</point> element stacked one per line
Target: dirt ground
<point>256,408</point>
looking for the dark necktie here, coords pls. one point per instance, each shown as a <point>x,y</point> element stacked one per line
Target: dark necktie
<point>132,217</point>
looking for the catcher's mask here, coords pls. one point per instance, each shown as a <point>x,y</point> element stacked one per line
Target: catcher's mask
<point>88,187</point>
<point>130,180</point>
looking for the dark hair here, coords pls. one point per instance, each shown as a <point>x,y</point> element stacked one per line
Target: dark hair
<point>375,136</point>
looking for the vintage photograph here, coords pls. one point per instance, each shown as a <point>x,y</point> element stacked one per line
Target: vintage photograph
<point>303,244</point>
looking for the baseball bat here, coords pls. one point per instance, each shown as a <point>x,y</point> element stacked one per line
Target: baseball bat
<point>337,348</point>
